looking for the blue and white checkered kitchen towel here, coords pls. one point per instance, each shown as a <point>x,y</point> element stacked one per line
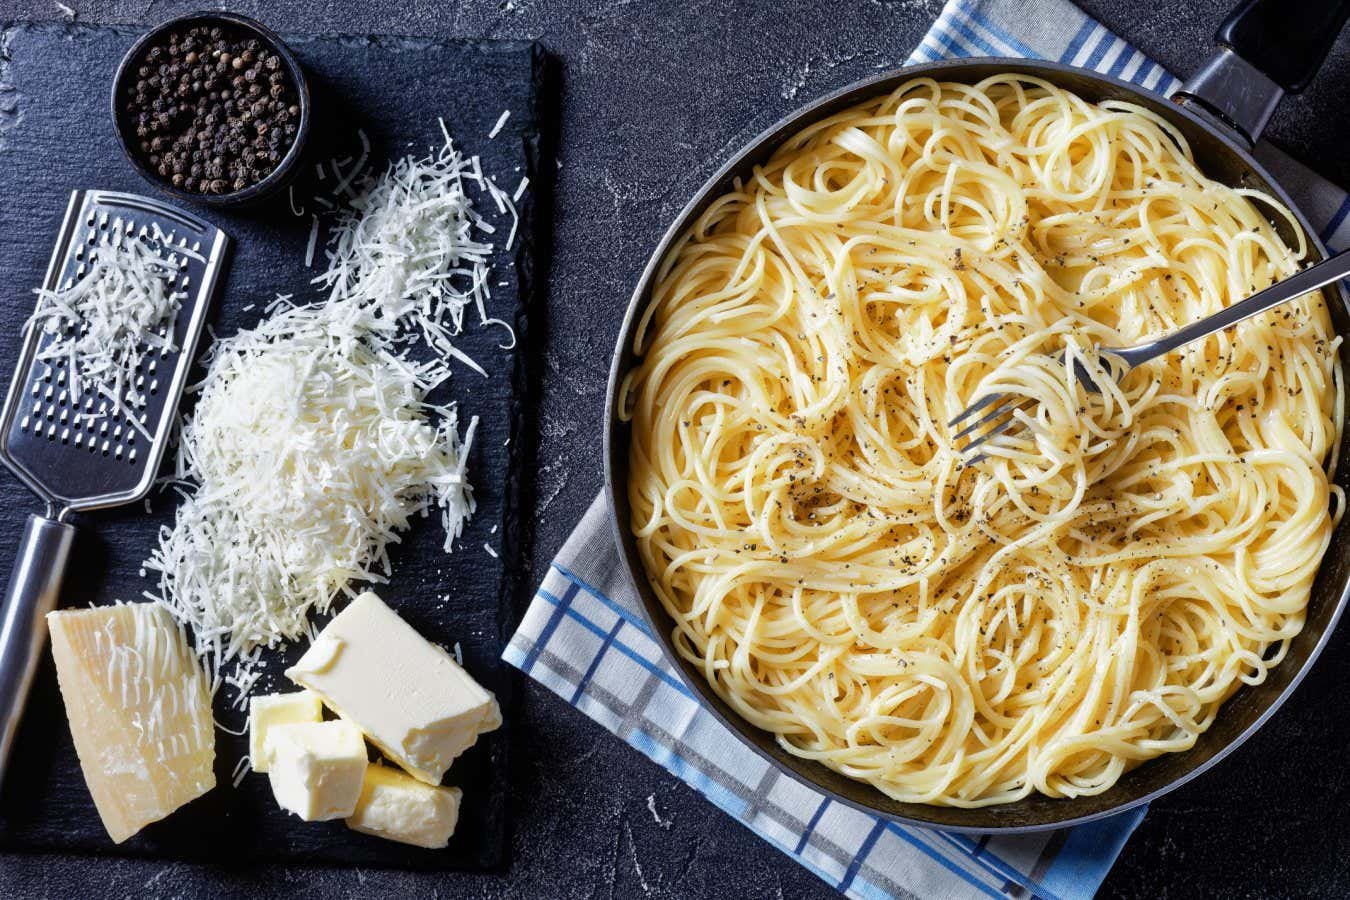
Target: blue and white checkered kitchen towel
<point>585,637</point>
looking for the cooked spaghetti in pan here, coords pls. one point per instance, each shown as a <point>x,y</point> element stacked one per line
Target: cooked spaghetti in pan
<point>1084,598</point>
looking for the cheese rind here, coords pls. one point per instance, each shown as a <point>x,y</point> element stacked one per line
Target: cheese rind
<point>400,808</point>
<point>409,697</point>
<point>316,768</point>
<point>139,711</point>
<point>272,710</point>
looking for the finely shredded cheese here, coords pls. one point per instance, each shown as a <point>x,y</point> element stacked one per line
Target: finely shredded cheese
<point>312,450</point>
<point>313,241</point>
<point>312,445</point>
<point>501,121</point>
<point>105,323</point>
<point>406,249</point>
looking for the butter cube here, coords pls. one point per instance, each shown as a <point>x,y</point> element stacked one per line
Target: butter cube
<point>400,808</point>
<point>267,712</point>
<point>316,768</point>
<point>409,697</point>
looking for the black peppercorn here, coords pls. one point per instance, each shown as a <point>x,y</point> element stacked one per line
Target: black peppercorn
<point>213,110</point>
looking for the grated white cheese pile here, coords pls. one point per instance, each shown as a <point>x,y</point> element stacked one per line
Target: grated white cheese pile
<point>407,251</point>
<point>312,445</point>
<point>105,323</point>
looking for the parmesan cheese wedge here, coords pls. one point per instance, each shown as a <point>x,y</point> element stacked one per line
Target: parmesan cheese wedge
<point>409,697</point>
<point>139,711</point>
<point>398,807</point>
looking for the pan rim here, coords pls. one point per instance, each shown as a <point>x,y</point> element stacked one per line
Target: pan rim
<point>614,440</point>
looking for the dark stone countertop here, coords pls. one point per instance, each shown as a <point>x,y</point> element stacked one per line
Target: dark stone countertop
<point>654,93</point>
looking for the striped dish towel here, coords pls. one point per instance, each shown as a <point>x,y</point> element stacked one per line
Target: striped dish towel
<point>585,638</point>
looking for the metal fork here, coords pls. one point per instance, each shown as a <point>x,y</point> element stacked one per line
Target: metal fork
<point>998,409</point>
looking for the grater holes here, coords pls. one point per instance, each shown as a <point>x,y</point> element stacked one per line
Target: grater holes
<point>110,426</point>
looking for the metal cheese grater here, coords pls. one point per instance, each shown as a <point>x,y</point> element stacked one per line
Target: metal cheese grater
<point>82,454</point>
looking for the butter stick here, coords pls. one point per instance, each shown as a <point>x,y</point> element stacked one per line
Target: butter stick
<point>407,695</point>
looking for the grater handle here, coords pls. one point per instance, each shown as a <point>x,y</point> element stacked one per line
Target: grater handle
<point>33,588</point>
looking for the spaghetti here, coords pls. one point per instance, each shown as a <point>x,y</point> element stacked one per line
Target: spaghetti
<point>1088,596</point>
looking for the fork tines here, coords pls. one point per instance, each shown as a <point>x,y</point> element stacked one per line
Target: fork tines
<point>993,423</point>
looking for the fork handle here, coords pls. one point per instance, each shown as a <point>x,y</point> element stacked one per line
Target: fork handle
<point>1310,279</point>
<point>33,588</point>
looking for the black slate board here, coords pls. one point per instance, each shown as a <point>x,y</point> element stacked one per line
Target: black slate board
<point>56,135</point>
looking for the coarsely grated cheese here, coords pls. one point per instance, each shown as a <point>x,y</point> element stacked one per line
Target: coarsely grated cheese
<point>498,125</point>
<point>406,252</point>
<point>105,323</point>
<point>311,449</point>
<point>312,445</point>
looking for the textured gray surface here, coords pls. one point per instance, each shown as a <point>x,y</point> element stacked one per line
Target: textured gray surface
<point>655,91</point>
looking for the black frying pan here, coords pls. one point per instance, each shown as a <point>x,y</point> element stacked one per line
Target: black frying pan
<point>1267,48</point>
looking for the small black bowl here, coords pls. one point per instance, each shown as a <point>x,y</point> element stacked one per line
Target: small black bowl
<point>278,178</point>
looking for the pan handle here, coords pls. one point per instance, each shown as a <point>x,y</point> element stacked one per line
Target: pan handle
<point>1267,48</point>
<point>1287,40</point>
